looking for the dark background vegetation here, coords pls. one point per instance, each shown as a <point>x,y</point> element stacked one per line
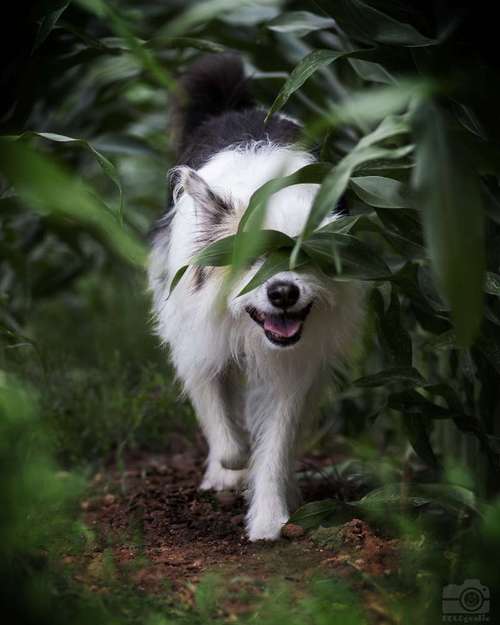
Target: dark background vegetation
<point>85,95</point>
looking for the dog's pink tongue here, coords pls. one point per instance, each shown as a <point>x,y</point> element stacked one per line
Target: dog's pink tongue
<point>282,326</point>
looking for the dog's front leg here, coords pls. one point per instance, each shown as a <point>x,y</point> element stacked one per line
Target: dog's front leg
<point>228,449</point>
<point>272,470</point>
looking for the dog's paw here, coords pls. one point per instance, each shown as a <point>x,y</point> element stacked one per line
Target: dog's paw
<point>217,478</point>
<point>266,527</point>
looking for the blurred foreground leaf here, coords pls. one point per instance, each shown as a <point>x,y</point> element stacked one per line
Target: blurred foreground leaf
<point>300,23</point>
<point>46,188</point>
<point>448,193</point>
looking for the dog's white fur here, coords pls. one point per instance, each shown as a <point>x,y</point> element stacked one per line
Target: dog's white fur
<point>251,396</point>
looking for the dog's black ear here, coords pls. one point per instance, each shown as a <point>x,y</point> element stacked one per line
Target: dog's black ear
<point>212,205</point>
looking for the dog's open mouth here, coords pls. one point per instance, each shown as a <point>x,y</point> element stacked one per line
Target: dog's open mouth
<point>281,328</point>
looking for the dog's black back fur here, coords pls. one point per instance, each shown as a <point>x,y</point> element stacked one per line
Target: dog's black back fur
<point>215,110</point>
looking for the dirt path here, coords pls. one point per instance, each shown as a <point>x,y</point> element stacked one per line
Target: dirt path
<point>154,529</point>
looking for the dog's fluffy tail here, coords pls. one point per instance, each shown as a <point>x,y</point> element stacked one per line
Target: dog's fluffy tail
<point>213,85</point>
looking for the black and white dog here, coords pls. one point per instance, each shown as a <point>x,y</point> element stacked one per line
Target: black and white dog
<point>254,370</point>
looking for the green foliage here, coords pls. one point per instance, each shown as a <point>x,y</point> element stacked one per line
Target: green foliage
<point>403,108</point>
<point>413,158</point>
<point>36,520</point>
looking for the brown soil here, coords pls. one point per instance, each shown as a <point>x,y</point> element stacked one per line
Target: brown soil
<point>153,528</point>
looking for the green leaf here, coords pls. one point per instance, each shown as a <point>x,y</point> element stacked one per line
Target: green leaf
<point>342,225</point>
<point>402,230</point>
<point>200,13</point>
<point>300,23</point>
<point>315,513</point>
<point>448,192</point>
<point>408,375</point>
<point>221,252</point>
<point>304,70</point>
<point>398,495</point>
<point>274,263</point>
<point>412,403</point>
<point>416,428</point>
<point>370,106</point>
<point>118,22</point>
<point>394,338</point>
<point>444,341</point>
<point>366,23</point>
<point>453,497</point>
<point>48,189</point>
<point>256,12</point>
<point>372,72</point>
<point>404,221</point>
<point>48,22</point>
<point>382,192</point>
<point>106,165</point>
<point>254,214</point>
<point>177,278</point>
<point>180,43</point>
<point>309,174</point>
<point>357,260</point>
<point>335,183</point>
<point>394,497</point>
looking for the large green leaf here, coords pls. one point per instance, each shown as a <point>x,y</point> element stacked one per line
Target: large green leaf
<point>46,188</point>
<point>357,260</point>
<point>124,29</point>
<point>335,183</point>
<point>382,192</point>
<point>304,70</point>
<point>337,180</point>
<point>221,252</point>
<point>256,12</point>
<point>393,336</point>
<point>373,72</point>
<point>106,165</point>
<point>366,107</point>
<point>398,495</point>
<point>203,12</point>
<point>398,375</point>
<point>186,42</point>
<point>417,431</point>
<point>254,213</point>
<point>299,23</point>
<point>274,263</point>
<point>412,403</point>
<point>316,513</point>
<point>49,21</point>
<point>448,192</point>
<point>366,23</point>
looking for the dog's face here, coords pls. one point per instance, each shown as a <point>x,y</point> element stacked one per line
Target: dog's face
<point>285,309</point>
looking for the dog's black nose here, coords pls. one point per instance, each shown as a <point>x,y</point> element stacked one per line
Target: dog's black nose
<point>283,294</point>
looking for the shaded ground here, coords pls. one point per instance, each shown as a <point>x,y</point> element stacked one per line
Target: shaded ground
<point>155,530</point>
